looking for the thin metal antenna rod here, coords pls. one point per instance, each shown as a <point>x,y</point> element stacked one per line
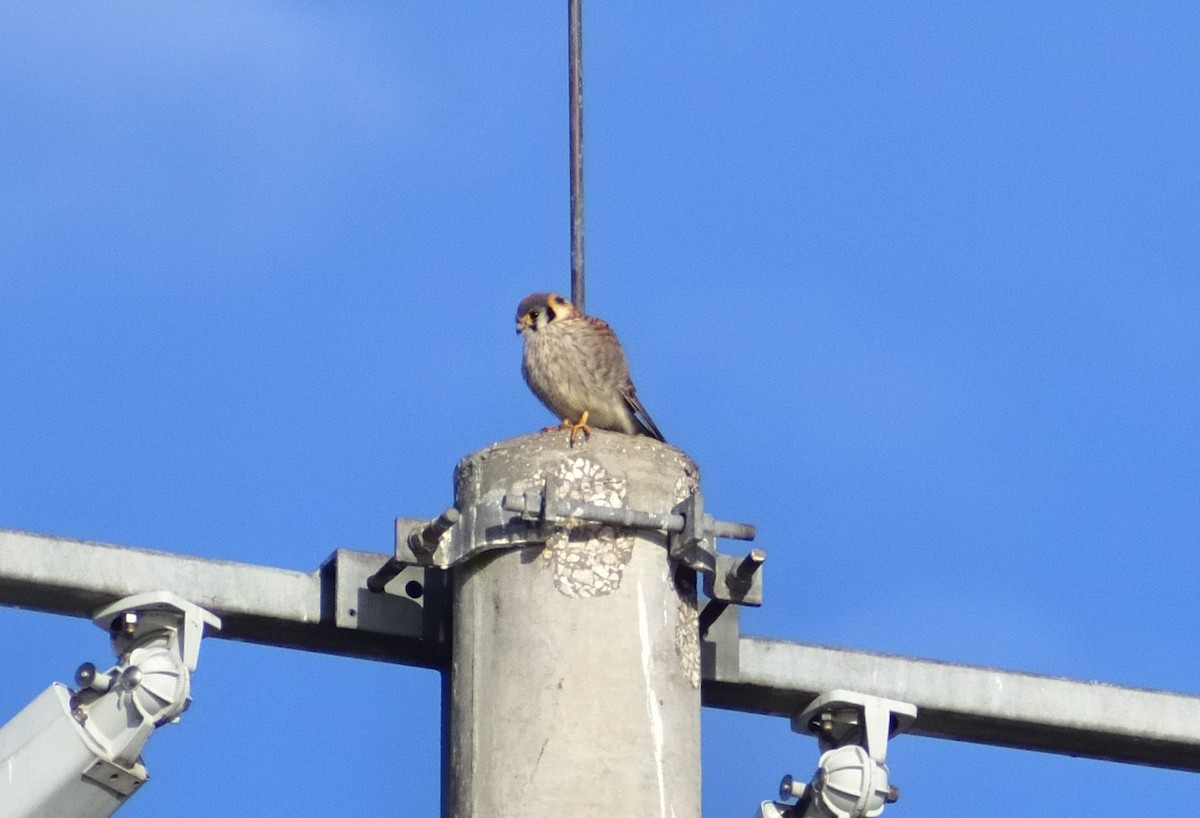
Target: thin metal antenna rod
<point>575,80</point>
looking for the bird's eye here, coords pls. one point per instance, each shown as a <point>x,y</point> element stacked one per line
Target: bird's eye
<point>533,315</point>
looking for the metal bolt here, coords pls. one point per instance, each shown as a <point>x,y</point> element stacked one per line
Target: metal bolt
<point>423,541</point>
<point>530,503</point>
<point>379,580</point>
<point>730,531</point>
<point>125,622</point>
<point>85,674</point>
<point>426,540</point>
<point>131,677</point>
<point>742,575</point>
<point>791,788</point>
<point>626,517</point>
<point>893,795</point>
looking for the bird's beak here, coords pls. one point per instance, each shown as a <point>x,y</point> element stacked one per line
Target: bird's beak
<point>522,323</point>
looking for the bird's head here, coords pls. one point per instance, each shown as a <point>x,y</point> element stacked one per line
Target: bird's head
<point>537,310</point>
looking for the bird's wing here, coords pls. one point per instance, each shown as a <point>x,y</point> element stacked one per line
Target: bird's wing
<point>641,417</point>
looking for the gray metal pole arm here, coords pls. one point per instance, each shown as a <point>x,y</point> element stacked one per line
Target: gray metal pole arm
<point>965,703</point>
<point>332,611</point>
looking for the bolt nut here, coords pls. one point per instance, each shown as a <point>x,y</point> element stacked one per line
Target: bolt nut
<point>893,795</point>
<point>128,621</point>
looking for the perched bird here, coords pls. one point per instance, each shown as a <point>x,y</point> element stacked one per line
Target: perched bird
<point>574,364</point>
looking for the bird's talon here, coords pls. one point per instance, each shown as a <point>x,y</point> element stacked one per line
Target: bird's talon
<point>581,426</point>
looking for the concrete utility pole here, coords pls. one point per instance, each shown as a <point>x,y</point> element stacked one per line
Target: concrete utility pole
<point>575,675</point>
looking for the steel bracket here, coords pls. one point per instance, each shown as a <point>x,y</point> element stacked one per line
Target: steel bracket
<point>529,518</point>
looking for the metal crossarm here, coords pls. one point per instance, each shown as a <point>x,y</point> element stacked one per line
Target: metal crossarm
<point>977,704</point>
<point>328,610</point>
<point>331,610</point>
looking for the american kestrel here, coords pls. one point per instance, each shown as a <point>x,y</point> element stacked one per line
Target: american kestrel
<point>574,364</point>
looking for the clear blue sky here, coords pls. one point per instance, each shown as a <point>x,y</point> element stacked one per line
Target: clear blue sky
<point>917,285</point>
